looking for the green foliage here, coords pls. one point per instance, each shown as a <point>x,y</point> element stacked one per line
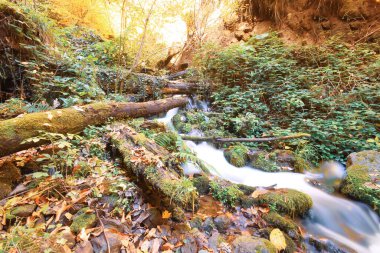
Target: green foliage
<point>265,163</point>
<point>265,88</point>
<point>237,155</point>
<point>229,196</point>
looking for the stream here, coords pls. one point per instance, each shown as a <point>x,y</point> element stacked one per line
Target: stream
<point>343,221</point>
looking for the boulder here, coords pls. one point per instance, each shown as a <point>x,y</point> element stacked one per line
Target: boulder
<point>287,201</point>
<point>362,181</point>
<point>237,155</point>
<point>22,211</point>
<point>249,244</point>
<point>222,223</point>
<point>202,184</point>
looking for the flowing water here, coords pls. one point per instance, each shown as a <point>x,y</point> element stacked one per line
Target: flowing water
<point>341,220</point>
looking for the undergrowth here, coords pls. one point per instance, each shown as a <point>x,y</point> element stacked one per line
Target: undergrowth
<point>265,88</point>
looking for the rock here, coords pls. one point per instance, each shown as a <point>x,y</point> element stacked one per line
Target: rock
<point>208,225</point>
<point>214,240</point>
<point>287,201</point>
<point>202,184</point>
<point>249,244</point>
<point>362,181</point>
<point>222,223</point>
<point>322,245</point>
<point>82,219</point>
<point>84,247</point>
<point>21,211</point>
<point>237,155</point>
<point>287,225</point>
<point>284,158</point>
<point>196,222</point>
<point>114,238</point>
<point>190,245</point>
<point>264,161</point>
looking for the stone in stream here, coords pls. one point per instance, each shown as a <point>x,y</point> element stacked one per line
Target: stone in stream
<point>362,181</point>
<point>249,244</point>
<point>287,201</point>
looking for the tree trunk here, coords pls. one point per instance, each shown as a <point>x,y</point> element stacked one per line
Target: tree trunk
<point>73,120</point>
<point>224,140</point>
<point>146,161</point>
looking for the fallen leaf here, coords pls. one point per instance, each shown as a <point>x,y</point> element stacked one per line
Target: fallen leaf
<point>166,214</point>
<point>258,192</point>
<point>50,115</point>
<point>277,238</point>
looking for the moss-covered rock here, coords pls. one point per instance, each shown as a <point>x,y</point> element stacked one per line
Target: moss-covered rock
<point>265,162</point>
<point>237,155</point>
<point>83,219</point>
<point>249,244</point>
<point>21,211</point>
<point>285,224</point>
<point>363,177</point>
<point>202,184</point>
<point>287,201</point>
<point>5,189</point>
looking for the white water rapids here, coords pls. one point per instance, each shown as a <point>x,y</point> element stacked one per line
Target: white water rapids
<point>344,221</point>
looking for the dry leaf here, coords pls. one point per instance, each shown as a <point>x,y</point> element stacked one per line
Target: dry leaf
<point>277,238</point>
<point>166,214</point>
<point>258,192</point>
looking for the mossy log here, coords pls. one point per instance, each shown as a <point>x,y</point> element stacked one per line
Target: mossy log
<point>144,159</point>
<point>264,139</point>
<point>73,120</point>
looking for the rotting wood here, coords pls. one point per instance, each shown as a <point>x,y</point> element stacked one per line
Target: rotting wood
<point>14,132</point>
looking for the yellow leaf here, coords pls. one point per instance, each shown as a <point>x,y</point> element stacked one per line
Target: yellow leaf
<point>166,214</point>
<point>277,238</point>
<point>50,115</point>
<point>258,192</point>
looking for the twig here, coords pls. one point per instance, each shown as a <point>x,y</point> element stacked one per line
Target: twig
<point>105,236</point>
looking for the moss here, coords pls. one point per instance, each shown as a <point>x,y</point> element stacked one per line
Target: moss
<point>83,220</point>
<point>22,211</point>
<point>247,190</point>
<point>252,244</point>
<point>266,164</point>
<point>9,173</point>
<point>285,224</point>
<point>287,201</point>
<point>291,246</point>
<point>237,155</point>
<point>202,184</point>
<point>5,189</point>
<point>228,195</point>
<point>354,186</point>
<point>246,201</point>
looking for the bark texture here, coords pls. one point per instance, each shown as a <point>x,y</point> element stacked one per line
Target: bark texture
<point>224,140</point>
<point>73,120</point>
<point>146,161</point>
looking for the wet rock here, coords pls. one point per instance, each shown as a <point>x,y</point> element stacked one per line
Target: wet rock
<point>222,223</point>
<point>249,244</point>
<point>214,240</point>
<point>84,247</point>
<point>322,245</point>
<point>284,158</point>
<point>83,219</point>
<point>287,225</point>
<point>287,201</point>
<point>21,211</point>
<point>202,184</point>
<point>208,225</point>
<point>362,181</point>
<point>114,238</point>
<point>264,161</point>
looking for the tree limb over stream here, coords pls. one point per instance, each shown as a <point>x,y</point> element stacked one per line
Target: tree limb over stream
<point>225,140</point>
<point>14,132</point>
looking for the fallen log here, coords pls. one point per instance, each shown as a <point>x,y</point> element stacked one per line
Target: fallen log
<point>14,132</point>
<point>144,159</point>
<point>224,140</point>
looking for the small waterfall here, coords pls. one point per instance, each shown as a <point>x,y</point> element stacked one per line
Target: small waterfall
<point>341,220</point>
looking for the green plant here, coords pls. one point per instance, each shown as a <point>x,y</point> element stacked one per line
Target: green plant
<point>229,196</point>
